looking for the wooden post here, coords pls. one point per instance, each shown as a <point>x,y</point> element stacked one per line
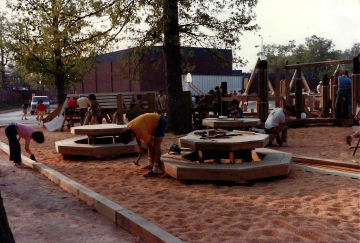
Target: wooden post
<point>287,85</point>
<point>262,104</point>
<point>325,96</point>
<point>355,89</point>
<point>120,117</point>
<point>151,102</point>
<point>223,94</point>
<point>277,87</point>
<point>201,156</point>
<point>298,94</point>
<point>187,98</point>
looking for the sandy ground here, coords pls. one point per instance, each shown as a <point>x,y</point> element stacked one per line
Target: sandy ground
<point>39,211</point>
<point>302,207</point>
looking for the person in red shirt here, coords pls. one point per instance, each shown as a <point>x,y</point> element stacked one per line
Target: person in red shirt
<point>40,109</point>
<point>69,113</point>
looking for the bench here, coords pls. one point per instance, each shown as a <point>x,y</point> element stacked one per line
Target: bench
<point>262,131</point>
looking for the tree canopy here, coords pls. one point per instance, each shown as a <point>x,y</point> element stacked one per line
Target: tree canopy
<point>60,39</point>
<point>315,49</point>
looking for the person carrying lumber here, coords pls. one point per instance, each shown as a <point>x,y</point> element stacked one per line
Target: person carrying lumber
<point>23,131</point>
<point>150,128</point>
<point>343,83</point>
<point>83,104</point>
<point>275,124</point>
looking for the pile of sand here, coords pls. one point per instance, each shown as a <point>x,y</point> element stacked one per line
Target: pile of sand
<point>302,207</point>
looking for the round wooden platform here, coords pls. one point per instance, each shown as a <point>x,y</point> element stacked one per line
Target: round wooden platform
<point>266,163</point>
<point>231,122</point>
<point>98,130</point>
<point>79,146</point>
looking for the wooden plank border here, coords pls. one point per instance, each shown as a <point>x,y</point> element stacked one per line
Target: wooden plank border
<point>133,223</point>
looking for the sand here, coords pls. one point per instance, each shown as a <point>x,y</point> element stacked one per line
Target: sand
<point>302,207</point>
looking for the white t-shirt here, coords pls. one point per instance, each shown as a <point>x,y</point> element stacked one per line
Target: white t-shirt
<point>193,99</point>
<point>275,117</point>
<point>83,102</point>
<point>318,89</point>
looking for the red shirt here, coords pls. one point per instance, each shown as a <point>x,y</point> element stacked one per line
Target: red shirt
<point>72,103</point>
<point>40,107</point>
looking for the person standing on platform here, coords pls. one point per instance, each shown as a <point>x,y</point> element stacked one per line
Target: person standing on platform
<point>343,84</point>
<point>83,104</point>
<point>275,124</point>
<point>150,128</point>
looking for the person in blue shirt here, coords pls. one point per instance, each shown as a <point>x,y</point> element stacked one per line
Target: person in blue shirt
<point>343,84</point>
<point>236,111</point>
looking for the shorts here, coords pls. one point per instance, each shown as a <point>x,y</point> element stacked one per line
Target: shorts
<point>95,112</point>
<point>69,111</point>
<point>83,111</point>
<point>41,113</point>
<point>25,111</point>
<point>161,127</point>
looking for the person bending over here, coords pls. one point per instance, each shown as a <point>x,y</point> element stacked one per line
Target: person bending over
<point>69,113</point>
<point>275,124</point>
<point>150,128</point>
<point>26,132</point>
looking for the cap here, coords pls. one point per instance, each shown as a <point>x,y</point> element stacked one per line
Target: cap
<point>81,95</point>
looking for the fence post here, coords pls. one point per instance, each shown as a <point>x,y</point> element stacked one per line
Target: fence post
<point>223,94</point>
<point>120,120</point>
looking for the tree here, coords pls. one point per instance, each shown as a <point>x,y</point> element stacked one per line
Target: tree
<point>6,235</point>
<point>213,25</point>
<point>60,39</point>
<point>351,53</point>
<point>5,52</point>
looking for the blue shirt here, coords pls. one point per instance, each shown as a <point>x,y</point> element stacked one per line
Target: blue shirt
<point>343,82</point>
<point>234,113</point>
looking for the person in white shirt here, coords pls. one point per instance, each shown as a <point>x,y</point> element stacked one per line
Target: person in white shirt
<point>193,101</point>
<point>275,124</point>
<point>83,104</point>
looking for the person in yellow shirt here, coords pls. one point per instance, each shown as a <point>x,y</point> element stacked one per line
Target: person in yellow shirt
<point>150,128</point>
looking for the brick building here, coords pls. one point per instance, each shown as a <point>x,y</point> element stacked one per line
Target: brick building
<point>105,79</point>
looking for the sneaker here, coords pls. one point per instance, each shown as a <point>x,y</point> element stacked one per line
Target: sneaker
<point>284,144</point>
<point>151,174</point>
<point>348,140</point>
<point>148,167</point>
<point>26,118</point>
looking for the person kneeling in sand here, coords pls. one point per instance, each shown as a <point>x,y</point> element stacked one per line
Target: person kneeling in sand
<point>150,128</point>
<point>26,132</point>
<point>275,124</point>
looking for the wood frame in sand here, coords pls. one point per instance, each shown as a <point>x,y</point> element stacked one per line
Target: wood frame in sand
<point>266,163</point>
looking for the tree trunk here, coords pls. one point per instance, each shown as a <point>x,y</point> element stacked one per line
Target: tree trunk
<point>60,85</point>
<point>176,114</point>
<point>6,235</point>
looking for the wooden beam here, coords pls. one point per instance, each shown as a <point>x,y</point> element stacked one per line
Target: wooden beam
<point>287,85</point>
<point>312,160</point>
<point>315,64</point>
<point>305,83</point>
<point>277,86</point>
<point>252,77</point>
<point>275,66</point>
<point>292,80</point>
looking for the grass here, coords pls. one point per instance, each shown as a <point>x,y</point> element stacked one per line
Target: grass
<point>10,105</point>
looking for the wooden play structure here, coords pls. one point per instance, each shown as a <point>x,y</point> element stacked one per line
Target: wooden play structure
<point>304,102</point>
<point>99,140</point>
<point>225,156</point>
<point>235,123</point>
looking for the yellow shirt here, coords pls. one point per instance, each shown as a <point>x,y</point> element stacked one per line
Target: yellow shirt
<point>143,126</point>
